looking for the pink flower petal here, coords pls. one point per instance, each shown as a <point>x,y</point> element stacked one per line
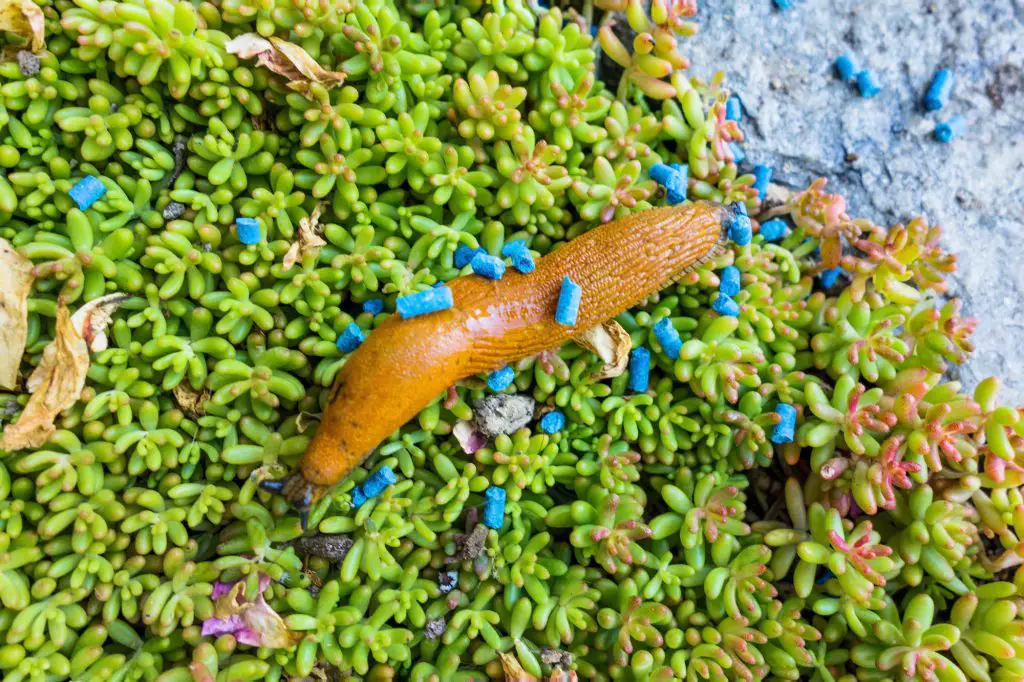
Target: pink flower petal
<point>469,438</point>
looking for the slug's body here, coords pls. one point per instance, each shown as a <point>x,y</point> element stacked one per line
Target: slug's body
<point>404,364</point>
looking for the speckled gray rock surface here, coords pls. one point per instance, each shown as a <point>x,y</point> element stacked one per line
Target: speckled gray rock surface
<point>880,152</point>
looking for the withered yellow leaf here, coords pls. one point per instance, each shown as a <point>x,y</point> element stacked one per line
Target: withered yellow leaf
<point>610,342</point>
<point>308,239</point>
<point>25,18</point>
<point>286,59</point>
<point>15,284</point>
<point>513,670</point>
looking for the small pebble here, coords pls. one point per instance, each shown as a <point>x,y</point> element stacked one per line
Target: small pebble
<point>519,254</point>
<point>500,379</point>
<point>552,422</point>
<point>248,230</point>
<point>673,178</point>
<point>173,210</point>
<point>435,627</point>
<point>351,338</point>
<point>774,230</point>
<point>829,277</point>
<point>945,132</point>
<point>494,507</point>
<point>488,266</point>
<point>374,306</point>
<point>28,63</point>
<point>867,84</point>
<point>378,481</point>
<point>783,431</point>
<point>568,303</point>
<point>939,90</point>
<point>733,109</point>
<point>724,305</point>
<point>502,413</point>
<point>762,176</point>
<point>668,337</point>
<point>729,281</point>
<point>424,302</point>
<point>447,581</point>
<point>846,67</point>
<point>87,192</point>
<point>639,369</point>
<point>464,255</point>
<point>737,152</point>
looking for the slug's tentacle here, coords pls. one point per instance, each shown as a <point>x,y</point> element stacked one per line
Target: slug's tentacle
<point>404,364</point>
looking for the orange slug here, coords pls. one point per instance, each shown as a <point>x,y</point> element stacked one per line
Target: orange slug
<point>405,364</point>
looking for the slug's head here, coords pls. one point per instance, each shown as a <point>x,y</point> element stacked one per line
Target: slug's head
<point>301,493</point>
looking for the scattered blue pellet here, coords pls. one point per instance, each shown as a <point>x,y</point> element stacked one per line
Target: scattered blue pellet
<point>724,305</point>
<point>552,422</point>
<point>825,577</point>
<point>867,84</point>
<point>351,338</point>
<point>829,277</point>
<point>248,230</point>
<point>423,302</point>
<point>729,281</point>
<point>639,369</point>
<point>945,132</point>
<point>733,109</point>
<point>673,178</point>
<point>783,431</point>
<point>464,255</point>
<point>762,176</point>
<point>938,92</point>
<point>668,337</point>
<point>737,152</point>
<point>774,230</point>
<point>500,379</point>
<point>87,192</point>
<point>783,4</point>
<point>438,285</point>
<point>374,306</point>
<point>378,481</point>
<point>447,581</point>
<point>488,266</point>
<point>494,507</point>
<point>358,498</point>
<point>519,254</point>
<point>568,303</point>
<point>846,67</point>
<point>740,230</point>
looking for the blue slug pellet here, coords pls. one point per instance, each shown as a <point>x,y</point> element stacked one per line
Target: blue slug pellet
<point>447,581</point>
<point>737,152</point>
<point>519,254</point>
<point>464,255</point>
<point>358,498</point>
<point>724,305</point>
<point>668,337</point>
<point>424,302</point>
<point>733,109</point>
<point>374,306</point>
<point>87,192</point>
<point>729,281</point>
<point>639,369</point>
<point>783,4</point>
<point>783,431</point>
<point>740,230</point>
<point>552,422</point>
<point>350,338</point>
<point>673,178</point>
<point>867,84</point>
<point>500,379</point>
<point>568,303</point>
<point>774,230</point>
<point>938,91</point>
<point>248,230</point>
<point>494,507</point>
<point>846,67</point>
<point>945,132</point>
<point>762,176</point>
<point>829,277</point>
<point>488,266</point>
<point>378,481</point>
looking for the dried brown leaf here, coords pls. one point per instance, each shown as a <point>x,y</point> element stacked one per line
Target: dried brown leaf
<point>286,59</point>
<point>15,284</point>
<point>309,239</point>
<point>558,675</point>
<point>610,342</point>
<point>513,670</point>
<point>55,386</point>
<point>93,318</point>
<point>25,18</point>
<point>193,402</point>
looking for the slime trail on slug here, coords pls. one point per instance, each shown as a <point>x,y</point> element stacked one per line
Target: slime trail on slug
<point>404,364</point>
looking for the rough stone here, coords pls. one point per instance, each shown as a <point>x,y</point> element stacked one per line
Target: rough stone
<point>802,120</point>
<point>503,413</point>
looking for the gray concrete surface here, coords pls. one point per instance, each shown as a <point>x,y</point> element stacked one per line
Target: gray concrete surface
<point>880,152</point>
